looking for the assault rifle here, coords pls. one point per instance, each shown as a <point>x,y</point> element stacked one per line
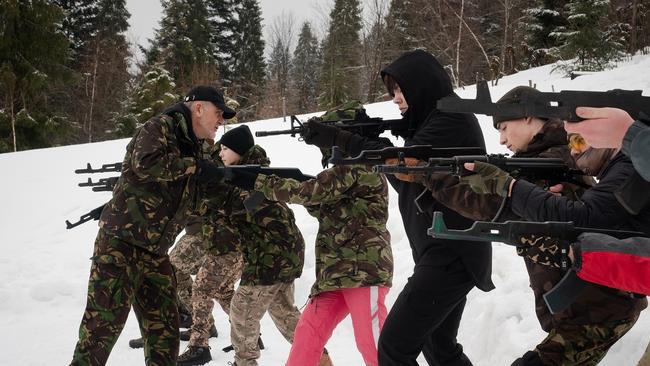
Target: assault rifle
<point>361,125</point>
<point>102,185</point>
<point>229,172</point>
<point>510,232</point>
<point>420,152</point>
<point>257,197</point>
<point>560,105</point>
<point>552,169</point>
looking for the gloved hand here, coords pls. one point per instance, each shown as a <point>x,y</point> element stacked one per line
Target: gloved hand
<point>488,179</point>
<point>243,179</point>
<point>320,134</point>
<point>208,171</point>
<point>406,177</point>
<point>544,250</point>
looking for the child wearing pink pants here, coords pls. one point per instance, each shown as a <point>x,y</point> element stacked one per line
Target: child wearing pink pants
<point>354,262</point>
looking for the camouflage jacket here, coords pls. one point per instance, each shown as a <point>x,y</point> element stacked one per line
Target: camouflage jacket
<point>157,188</point>
<point>351,205</point>
<point>597,303</point>
<point>272,246</point>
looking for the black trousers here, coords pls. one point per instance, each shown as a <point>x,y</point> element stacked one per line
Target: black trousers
<point>426,316</point>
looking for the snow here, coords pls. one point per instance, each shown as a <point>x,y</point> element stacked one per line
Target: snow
<point>45,267</point>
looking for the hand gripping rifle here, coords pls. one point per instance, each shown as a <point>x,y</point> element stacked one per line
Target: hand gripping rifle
<point>510,232</point>
<point>361,125</point>
<point>102,185</point>
<point>560,105</point>
<point>554,170</point>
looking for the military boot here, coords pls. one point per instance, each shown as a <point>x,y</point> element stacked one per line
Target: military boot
<point>185,335</point>
<point>325,359</point>
<point>185,320</point>
<point>136,343</point>
<point>194,356</point>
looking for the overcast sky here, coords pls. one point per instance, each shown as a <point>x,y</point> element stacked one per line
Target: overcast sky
<point>145,15</point>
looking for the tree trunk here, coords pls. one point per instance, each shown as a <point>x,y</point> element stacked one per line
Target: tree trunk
<point>506,21</point>
<point>13,119</point>
<point>460,32</point>
<point>92,94</point>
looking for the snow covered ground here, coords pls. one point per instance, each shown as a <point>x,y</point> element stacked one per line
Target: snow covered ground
<point>44,267</point>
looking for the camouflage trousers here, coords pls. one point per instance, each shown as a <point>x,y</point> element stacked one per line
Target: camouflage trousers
<point>247,309</point>
<point>584,345</point>
<point>215,280</point>
<point>645,359</point>
<point>122,276</point>
<point>186,257</point>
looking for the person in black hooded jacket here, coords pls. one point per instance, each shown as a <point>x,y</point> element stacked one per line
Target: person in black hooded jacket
<point>426,315</point>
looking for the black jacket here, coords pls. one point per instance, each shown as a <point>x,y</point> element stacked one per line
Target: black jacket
<point>597,208</point>
<point>423,81</point>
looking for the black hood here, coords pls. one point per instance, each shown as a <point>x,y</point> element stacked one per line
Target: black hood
<point>422,80</point>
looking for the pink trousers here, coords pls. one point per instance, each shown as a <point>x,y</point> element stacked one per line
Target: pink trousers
<point>326,310</point>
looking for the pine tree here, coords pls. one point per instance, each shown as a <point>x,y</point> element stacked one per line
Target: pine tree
<point>223,24</point>
<point>150,98</point>
<point>340,80</point>
<point>305,71</point>
<point>588,36</point>
<point>183,43</point>
<point>249,68</point>
<point>539,26</point>
<point>33,57</point>
<point>401,30</point>
<point>79,21</point>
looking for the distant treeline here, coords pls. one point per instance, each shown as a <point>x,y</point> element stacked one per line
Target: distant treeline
<point>66,68</point>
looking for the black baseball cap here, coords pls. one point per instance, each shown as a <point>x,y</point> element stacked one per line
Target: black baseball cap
<point>210,94</point>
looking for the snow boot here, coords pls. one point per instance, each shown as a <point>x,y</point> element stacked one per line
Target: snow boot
<point>185,335</point>
<point>194,356</point>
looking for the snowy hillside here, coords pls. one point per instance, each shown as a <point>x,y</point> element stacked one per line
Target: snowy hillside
<point>44,267</point>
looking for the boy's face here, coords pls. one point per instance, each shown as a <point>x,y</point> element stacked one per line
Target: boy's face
<point>398,98</point>
<point>229,157</point>
<point>517,134</point>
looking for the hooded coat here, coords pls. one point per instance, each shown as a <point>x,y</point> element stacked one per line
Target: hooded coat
<point>423,81</point>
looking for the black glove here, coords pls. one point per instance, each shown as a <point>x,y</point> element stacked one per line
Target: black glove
<point>243,179</point>
<point>320,134</point>
<point>207,171</point>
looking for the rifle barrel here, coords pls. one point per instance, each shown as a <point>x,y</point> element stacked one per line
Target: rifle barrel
<point>275,133</point>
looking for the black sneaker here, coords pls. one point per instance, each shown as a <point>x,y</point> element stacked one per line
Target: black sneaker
<point>260,344</point>
<point>185,335</point>
<point>194,356</point>
<point>136,343</point>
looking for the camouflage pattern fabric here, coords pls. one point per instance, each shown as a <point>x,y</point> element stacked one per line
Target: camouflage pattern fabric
<point>222,236</point>
<point>186,257</point>
<point>581,346</point>
<point>351,205</point>
<point>248,306</point>
<point>215,280</point>
<point>157,188</point>
<point>123,275</point>
<point>272,246</point>
<point>543,250</point>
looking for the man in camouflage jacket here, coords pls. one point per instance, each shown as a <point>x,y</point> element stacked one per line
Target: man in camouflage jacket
<point>354,263</point>
<point>159,186</point>
<point>583,333</point>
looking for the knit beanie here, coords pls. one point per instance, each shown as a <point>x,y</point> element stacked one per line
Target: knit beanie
<point>239,139</point>
<point>514,96</point>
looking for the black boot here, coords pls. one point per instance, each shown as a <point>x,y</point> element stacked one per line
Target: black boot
<point>194,356</point>
<point>260,344</point>
<point>185,320</point>
<point>185,335</point>
<point>136,343</point>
